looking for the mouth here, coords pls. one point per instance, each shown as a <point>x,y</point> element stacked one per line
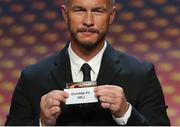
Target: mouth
<point>86,33</point>
<point>88,30</point>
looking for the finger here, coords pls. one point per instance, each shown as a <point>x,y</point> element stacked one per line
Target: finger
<point>58,95</point>
<point>109,87</point>
<point>106,99</point>
<point>43,97</point>
<point>114,108</point>
<point>52,113</point>
<point>55,111</point>
<point>53,98</point>
<point>106,92</point>
<point>50,102</point>
<point>103,88</point>
<point>113,87</point>
<point>105,105</point>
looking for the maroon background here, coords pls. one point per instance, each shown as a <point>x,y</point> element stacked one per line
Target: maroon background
<point>30,30</point>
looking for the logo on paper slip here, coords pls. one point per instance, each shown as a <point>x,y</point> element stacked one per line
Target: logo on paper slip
<point>81,84</point>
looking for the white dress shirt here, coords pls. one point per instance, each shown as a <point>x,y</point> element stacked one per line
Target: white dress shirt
<point>77,62</point>
<point>77,75</point>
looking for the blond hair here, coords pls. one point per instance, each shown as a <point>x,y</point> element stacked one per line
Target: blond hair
<point>112,1</point>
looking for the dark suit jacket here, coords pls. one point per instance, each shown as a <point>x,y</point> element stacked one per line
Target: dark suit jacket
<point>138,79</point>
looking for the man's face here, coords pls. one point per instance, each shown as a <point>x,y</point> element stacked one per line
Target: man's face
<point>88,20</point>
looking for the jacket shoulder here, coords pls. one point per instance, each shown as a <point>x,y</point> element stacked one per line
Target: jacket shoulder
<point>132,64</point>
<point>41,67</point>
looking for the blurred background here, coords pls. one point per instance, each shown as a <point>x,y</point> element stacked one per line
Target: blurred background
<point>31,30</point>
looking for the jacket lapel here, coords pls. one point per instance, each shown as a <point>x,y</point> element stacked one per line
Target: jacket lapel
<point>62,69</point>
<point>110,66</point>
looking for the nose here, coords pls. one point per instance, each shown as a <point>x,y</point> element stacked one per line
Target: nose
<point>88,19</point>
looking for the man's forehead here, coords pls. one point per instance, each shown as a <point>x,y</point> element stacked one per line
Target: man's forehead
<point>89,1</point>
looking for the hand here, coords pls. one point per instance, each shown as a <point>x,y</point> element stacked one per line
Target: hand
<point>50,106</point>
<point>112,97</point>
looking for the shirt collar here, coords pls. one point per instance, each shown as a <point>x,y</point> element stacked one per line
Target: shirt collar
<point>77,62</point>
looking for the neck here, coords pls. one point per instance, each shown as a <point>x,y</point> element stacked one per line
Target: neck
<point>87,53</point>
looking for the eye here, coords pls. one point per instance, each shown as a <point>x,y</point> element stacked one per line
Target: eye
<point>98,11</point>
<point>78,10</point>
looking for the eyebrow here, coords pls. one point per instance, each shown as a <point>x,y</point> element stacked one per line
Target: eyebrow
<point>76,6</point>
<point>99,8</point>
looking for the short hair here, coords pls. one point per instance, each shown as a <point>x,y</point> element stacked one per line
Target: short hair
<point>112,2</point>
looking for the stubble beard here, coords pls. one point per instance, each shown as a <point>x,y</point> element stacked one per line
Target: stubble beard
<point>88,45</point>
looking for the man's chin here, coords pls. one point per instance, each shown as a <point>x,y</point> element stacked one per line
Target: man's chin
<point>88,44</point>
<point>87,41</point>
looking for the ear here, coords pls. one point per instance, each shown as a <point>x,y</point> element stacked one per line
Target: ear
<point>113,14</point>
<point>64,12</point>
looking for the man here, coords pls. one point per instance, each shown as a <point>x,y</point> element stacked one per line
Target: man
<point>128,90</point>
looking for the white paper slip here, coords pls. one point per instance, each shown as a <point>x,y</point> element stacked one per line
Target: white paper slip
<point>81,95</point>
